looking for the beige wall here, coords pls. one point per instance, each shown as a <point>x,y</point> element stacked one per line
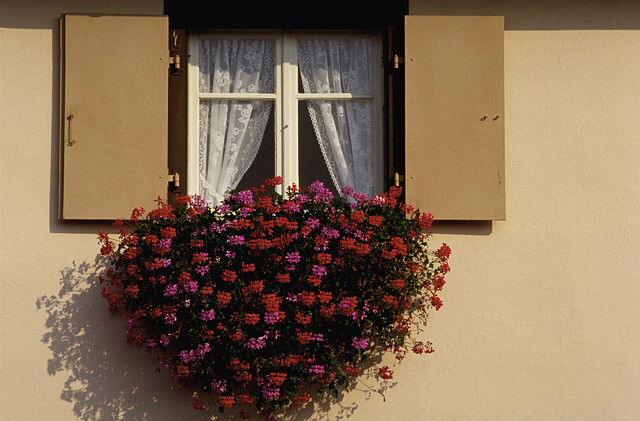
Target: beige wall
<point>541,318</point>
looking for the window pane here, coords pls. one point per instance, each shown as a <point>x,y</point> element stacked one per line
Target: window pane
<point>231,133</point>
<point>312,164</point>
<point>236,66</point>
<point>336,65</point>
<point>264,165</point>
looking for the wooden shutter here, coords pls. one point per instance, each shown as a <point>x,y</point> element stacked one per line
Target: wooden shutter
<point>454,104</point>
<point>113,115</point>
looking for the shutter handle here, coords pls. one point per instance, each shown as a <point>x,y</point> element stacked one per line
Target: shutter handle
<point>70,140</point>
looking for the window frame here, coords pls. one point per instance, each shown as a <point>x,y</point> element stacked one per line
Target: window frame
<point>286,99</point>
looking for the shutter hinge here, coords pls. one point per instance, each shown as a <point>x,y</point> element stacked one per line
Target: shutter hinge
<point>174,180</point>
<point>175,61</point>
<point>175,47</point>
<point>397,178</point>
<point>397,61</point>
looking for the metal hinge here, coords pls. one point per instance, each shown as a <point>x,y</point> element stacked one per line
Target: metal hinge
<point>174,179</point>
<point>397,178</point>
<point>174,51</point>
<point>175,61</point>
<point>397,61</point>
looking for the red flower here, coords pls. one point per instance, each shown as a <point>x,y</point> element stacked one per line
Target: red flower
<point>438,282</point>
<point>226,401</point>
<point>390,301</point>
<point>223,297</point>
<point>363,270</point>
<point>131,253</point>
<point>443,252</point>
<point>183,200</point>
<point>347,243</point>
<point>304,337</point>
<point>444,268</point>
<point>303,319</point>
<point>357,216</point>
<point>168,232</point>
<point>199,258</point>
<point>307,298</point>
<point>164,212</point>
<point>352,370</point>
<point>229,275</point>
<point>388,254</point>
<point>253,287</point>
<point>248,267</point>
<point>273,181</point>
<point>132,291</point>
<point>301,398</point>
<point>251,318</point>
<point>362,248</point>
<point>283,278</point>
<point>137,213</point>
<point>385,372</point>
<point>198,405</point>
<point>398,283</point>
<point>436,301</point>
<point>314,280</point>
<point>328,311</point>
<point>399,245</point>
<point>237,336</point>
<point>106,249</point>
<point>271,302</point>
<point>259,244</point>
<point>244,398</point>
<point>425,220</point>
<point>324,296</point>
<point>182,370</point>
<point>407,208</point>
<point>277,378</point>
<point>184,277</point>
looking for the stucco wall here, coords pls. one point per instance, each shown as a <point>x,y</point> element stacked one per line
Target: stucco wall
<point>541,318</point>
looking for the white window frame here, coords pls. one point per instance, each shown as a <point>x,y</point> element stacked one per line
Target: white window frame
<point>285,102</point>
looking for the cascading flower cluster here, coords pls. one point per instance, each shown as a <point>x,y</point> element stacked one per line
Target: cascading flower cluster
<point>266,297</point>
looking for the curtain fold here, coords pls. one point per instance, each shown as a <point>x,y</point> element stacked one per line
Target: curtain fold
<point>343,128</point>
<point>231,131</point>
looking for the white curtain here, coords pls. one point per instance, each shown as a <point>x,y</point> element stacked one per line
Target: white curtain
<point>231,130</point>
<point>344,128</point>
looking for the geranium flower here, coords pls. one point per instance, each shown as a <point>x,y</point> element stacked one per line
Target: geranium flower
<point>265,295</point>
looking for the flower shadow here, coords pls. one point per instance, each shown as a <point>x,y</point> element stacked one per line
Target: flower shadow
<point>345,405</point>
<point>106,378</point>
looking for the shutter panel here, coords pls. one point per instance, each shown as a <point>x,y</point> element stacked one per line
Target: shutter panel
<point>114,115</point>
<point>454,104</point>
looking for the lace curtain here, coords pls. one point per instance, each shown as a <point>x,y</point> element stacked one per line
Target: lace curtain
<point>231,130</point>
<point>344,128</point>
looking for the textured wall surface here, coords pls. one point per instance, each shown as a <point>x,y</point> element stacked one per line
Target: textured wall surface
<point>541,318</point>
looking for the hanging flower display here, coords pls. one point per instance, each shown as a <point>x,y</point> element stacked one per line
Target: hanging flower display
<point>267,298</point>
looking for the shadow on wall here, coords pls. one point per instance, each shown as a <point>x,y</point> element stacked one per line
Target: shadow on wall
<point>108,379</point>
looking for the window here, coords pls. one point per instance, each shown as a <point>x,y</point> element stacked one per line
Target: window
<point>301,106</point>
<point>123,106</point>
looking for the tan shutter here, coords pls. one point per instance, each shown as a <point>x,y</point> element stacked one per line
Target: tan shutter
<point>454,153</point>
<point>113,115</point>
